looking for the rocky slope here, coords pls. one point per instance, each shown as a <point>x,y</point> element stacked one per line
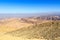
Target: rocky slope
<point>49,31</point>
<point>11,24</point>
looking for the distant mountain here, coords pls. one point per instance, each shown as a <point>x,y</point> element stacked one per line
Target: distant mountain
<point>47,18</point>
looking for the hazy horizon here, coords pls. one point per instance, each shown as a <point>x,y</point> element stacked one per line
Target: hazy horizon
<point>28,8</point>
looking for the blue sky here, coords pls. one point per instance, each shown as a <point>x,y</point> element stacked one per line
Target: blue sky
<point>29,6</point>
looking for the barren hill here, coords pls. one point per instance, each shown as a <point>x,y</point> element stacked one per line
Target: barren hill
<point>32,27</point>
<point>49,30</point>
<point>11,24</point>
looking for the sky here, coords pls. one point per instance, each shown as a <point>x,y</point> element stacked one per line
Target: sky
<point>29,6</point>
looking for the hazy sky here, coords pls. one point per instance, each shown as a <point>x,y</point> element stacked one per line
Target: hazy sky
<point>29,6</point>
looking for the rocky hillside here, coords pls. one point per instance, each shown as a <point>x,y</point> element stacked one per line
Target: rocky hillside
<point>11,24</point>
<point>49,31</point>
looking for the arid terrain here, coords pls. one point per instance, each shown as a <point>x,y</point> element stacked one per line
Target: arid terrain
<point>31,28</point>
